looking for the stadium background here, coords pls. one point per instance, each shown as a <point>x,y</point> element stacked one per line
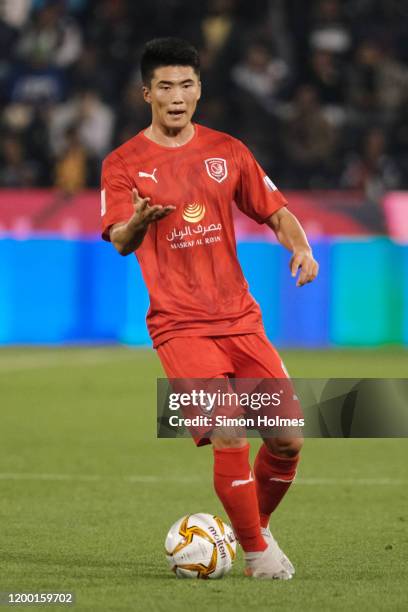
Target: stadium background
<point>318,91</point>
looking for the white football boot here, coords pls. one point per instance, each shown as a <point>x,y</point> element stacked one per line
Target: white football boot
<point>265,564</point>
<point>276,551</point>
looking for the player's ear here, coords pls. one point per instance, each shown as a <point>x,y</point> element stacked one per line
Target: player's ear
<point>147,95</point>
<point>199,91</point>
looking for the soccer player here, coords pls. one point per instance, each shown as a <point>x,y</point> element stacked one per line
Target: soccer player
<point>167,195</point>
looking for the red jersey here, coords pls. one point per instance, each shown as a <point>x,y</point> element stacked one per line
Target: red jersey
<point>189,259</point>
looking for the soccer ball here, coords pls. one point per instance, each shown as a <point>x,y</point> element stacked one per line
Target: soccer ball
<point>200,546</point>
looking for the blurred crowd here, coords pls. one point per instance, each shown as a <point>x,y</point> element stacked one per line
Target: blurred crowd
<point>318,89</point>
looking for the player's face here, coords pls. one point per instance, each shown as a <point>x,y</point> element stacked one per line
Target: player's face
<point>173,95</point>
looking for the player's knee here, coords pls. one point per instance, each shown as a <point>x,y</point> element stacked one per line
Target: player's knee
<point>285,447</point>
<point>220,442</point>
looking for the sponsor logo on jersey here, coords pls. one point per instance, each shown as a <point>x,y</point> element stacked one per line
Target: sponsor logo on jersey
<point>216,168</point>
<point>103,202</point>
<point>193,213</point>
<point>147,175</point>
<point>194,233</point>
<point>270,184</point>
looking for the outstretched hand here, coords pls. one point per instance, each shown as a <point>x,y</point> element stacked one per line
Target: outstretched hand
<point>144,213</point>
<point>304,261</point>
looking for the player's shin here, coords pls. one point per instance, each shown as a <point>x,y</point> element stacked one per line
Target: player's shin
<point>235,487</point>
<point>273,475</point>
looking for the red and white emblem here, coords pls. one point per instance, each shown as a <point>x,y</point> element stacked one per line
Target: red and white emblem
<point>216,168</point>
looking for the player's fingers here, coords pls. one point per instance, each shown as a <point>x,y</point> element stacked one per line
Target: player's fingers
<point>308,273</point>
<point>294,264</point>
<point>163,211</point>
<point>135,195</point>
<point>313,272</point>
<point>142,206</point>
<point>155,213</point>
<point>152,210</point>
<point>139,203</point>
<point>160,214</point>
<point>303,279</point>
<point>302,264</point>
<point>167,210</point>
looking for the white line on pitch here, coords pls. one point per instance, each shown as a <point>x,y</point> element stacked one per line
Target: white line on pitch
<point>15,363</point>
<point>151,479</point>
<point>27,476</point>
<point>351,481</point>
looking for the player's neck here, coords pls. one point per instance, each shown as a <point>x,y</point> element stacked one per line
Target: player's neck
<point>170,138</point>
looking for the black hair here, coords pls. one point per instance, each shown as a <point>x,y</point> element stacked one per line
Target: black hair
<point>167,52</point>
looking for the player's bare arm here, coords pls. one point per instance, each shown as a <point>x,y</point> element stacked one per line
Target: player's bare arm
<point>127,237</point>
<point>291,235</point>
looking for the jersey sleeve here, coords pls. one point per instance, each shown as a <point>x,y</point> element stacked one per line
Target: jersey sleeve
<point>255,195</point>
<point>116,195</point>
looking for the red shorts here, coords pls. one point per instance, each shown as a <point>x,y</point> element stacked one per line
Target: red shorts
<point>240,356</point>
<point>247,356</point>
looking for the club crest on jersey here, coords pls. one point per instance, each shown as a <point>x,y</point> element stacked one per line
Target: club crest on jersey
<point>216,168</point>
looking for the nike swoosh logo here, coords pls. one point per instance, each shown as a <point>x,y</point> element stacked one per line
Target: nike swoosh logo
<point>239,483</point>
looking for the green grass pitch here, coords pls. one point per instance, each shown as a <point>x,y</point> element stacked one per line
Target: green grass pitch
<point>87,493</point>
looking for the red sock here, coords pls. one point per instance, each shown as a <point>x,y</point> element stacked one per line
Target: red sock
<point>235,486</point>
<point>273,477</point>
